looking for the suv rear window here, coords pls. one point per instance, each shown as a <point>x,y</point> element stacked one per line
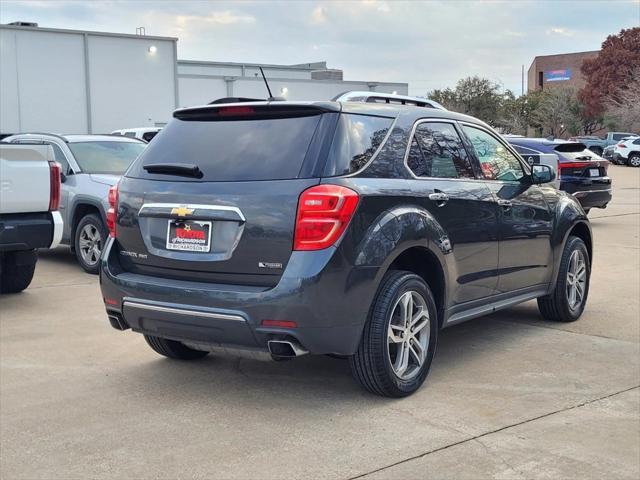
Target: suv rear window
<point>232,150</point>
<point>356,140</point>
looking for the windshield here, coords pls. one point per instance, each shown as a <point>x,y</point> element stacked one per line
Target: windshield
<point>106,157</point>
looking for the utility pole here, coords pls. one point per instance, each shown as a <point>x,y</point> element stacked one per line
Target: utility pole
<point>522,79</point>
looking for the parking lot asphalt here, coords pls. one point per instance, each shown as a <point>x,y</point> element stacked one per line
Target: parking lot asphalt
<point>509,395</point>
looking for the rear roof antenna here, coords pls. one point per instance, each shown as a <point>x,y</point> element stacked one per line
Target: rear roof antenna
<point>266,83</point>
<point>271,97</point>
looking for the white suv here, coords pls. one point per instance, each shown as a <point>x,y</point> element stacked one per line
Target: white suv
<point>627,152</point>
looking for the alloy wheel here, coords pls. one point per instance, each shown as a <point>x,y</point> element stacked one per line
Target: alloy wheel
<point>408,335</point>
<point>576,279</point>
<point>90,244</point>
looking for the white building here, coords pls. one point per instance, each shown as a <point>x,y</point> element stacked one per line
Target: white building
<point>70,81</point>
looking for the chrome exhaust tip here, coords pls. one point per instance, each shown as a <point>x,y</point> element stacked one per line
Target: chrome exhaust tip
<point>285,348</point>
<point>116,321</point>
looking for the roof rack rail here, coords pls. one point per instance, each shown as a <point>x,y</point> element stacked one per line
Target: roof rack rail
<point>56,135</point>
<point>378,97</point>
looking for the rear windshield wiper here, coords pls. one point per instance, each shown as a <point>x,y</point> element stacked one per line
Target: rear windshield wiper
<point>181,169</point>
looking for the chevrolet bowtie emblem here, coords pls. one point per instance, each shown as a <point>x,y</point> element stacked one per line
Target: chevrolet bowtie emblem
<point>181,211</point>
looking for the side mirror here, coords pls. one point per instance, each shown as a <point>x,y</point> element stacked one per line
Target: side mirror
<point>542,174</point>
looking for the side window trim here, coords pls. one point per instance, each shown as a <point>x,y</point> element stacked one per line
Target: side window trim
<point>463,139</point>
<point>378,150</point>
<point>525,166</point>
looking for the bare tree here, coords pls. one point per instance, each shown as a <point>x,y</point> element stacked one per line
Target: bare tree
<point>624,108</point>
<point>558,112</point>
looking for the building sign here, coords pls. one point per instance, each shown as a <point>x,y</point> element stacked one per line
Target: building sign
<point>557,75</point>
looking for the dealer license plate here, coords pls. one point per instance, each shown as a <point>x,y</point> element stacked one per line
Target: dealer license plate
<point>189,236</point>
<point>594,172</point>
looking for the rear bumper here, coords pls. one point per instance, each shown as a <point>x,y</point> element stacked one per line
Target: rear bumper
<point>591,193</point>
<point>28,231</point>
<point>328,299</point>
<point>617,158</point>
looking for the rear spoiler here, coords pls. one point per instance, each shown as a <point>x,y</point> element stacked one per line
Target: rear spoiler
<point>254,110</point>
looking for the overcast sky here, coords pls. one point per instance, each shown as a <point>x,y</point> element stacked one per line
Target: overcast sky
<point>429,44</point>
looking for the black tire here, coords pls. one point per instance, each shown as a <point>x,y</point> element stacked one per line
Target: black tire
<point>173,349</point>
<point>92,222</point>
<point>14,278</point>
<point>556,307</point>
<point>634,160</point>
<point>371,364</point>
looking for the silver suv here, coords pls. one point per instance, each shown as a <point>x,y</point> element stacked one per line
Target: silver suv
<point>90,165</point>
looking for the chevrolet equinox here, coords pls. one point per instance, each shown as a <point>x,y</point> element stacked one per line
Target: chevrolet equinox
<point>356,229</point>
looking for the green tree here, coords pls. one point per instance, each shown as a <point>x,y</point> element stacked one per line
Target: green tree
<point>517,114</point>
<point>479,97</point>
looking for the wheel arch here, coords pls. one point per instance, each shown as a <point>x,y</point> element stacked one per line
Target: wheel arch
<point>425,263</point>
<point>582,230</point>
<point>409,238</point>
<point>81,208</point>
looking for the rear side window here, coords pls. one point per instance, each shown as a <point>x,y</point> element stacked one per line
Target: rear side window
<point>437,151</point>
<point>232,150</point>
<point>356,140</point>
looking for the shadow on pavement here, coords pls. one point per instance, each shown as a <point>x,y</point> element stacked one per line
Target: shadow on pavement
<point>308,379</point>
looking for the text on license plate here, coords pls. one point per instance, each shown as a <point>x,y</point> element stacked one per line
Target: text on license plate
<point>189,235</point>
<point>594,172</point>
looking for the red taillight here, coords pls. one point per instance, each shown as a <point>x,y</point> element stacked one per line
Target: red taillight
<point>621,145</point>
<point>324,211</point>
<point>564,165</point>
<point>113,209</point>
<point>54,186</point>
<point>279,323</point>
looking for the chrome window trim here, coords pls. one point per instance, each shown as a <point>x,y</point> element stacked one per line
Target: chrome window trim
<point>183,311</point>
<point>375,154</point>
<point>406,153</point>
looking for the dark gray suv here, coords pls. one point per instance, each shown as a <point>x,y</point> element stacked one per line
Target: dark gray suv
<point>344,228</point>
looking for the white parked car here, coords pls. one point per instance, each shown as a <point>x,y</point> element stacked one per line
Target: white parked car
<point>627,152</point>
<point>143,133</point>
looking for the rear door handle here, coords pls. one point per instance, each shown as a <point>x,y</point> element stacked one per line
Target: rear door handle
<point>439,197</point>
<point>506,204</point>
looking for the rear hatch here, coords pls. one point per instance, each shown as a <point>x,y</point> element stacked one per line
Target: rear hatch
<point>214,196</point>
<point>576,160</point>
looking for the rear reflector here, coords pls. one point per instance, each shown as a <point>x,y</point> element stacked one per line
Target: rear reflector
<point>54,186</point>
<point>279,323</point>
<point>113,209</point>
<point>324,211</point>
